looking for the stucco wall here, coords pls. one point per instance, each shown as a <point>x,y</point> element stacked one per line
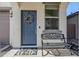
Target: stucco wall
<point>5,4</point>
<point>63,18</point>
<point>15,21</point>
<point>15,28</point>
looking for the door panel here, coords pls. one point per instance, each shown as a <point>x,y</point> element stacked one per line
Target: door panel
<point>28,19</point>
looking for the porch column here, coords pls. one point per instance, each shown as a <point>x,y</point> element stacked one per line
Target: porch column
<point>15,26</point>
<point>63,18</point>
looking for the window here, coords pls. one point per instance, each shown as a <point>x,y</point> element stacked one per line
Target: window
<point>51,17</point>
<point>51,23</point>
<point>51,12</point>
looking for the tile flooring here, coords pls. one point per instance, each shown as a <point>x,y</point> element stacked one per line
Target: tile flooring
<point>38,53</point>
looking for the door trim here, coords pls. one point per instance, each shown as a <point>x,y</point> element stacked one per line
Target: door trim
<point>28,45</point>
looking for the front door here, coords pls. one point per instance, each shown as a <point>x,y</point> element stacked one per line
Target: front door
<point>28,27</point>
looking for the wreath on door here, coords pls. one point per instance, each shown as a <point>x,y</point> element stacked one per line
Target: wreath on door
<point>28,19</point>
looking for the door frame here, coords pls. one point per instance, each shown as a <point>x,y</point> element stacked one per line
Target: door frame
<point>22,31</point>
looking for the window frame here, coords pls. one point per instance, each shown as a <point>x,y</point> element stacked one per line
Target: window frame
<point>55,17</point>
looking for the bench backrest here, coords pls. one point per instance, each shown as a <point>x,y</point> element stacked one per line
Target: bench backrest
<point>52,34</point>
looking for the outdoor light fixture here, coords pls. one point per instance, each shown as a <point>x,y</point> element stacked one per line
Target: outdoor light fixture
<point>11,13</point>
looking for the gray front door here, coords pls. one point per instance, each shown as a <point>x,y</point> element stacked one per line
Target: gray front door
<point>28,27</point>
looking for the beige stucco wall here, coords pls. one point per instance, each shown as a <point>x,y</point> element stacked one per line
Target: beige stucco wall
<point>15,26</point>
<point>15,21</point>
<point>63,18</point>
<point>5,4</point>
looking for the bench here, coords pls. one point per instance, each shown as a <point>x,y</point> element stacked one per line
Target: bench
<point>52,39</point>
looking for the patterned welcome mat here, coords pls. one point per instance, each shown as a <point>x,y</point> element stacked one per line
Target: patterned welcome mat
<point>26,52</point>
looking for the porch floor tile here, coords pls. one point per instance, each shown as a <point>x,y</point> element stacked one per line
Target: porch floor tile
<point>15,53</point>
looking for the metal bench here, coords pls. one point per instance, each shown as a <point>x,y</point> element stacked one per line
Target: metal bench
<point>52,39</point>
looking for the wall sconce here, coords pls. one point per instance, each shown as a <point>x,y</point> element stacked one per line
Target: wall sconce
<point>11,13</point>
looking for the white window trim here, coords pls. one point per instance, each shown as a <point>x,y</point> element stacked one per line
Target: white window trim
<point>51,17</point>
<point>51,8</point>
<point>56,17</point>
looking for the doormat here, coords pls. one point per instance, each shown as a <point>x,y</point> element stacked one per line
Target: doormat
<point>26,52</point>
